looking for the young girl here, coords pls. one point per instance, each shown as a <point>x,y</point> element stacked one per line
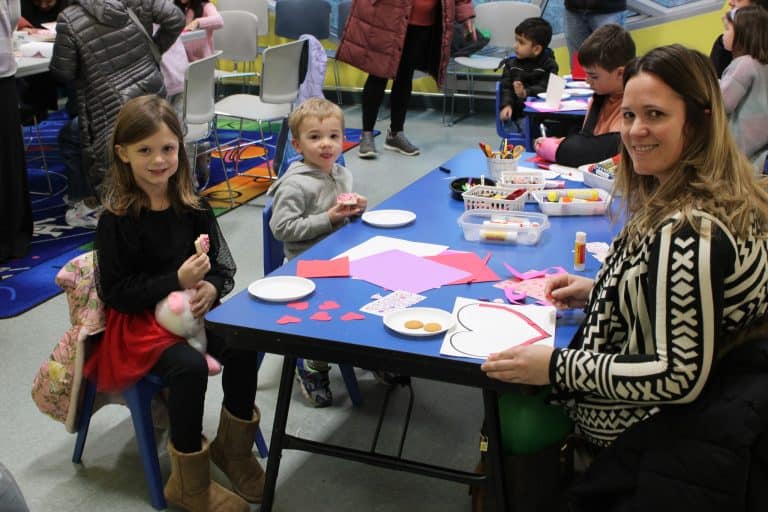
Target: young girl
<point>745,81</point>
<point>201,15</point>
<point>145,250</point>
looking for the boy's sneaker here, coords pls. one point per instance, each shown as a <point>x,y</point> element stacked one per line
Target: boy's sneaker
<point>367,148</point>
<point>81,216</point>
<point>315,384</point>
<point>398,142</point>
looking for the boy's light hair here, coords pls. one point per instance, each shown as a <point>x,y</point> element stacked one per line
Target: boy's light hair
<point>320,108</point>
<point>609,47</point>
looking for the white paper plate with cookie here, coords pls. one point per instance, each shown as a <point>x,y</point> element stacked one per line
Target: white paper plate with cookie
<point>419,321</point>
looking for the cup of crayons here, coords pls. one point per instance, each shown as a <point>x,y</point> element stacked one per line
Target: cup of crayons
<point>504,160</point>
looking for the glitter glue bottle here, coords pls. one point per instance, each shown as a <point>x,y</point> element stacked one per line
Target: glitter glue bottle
<point>580,251</point>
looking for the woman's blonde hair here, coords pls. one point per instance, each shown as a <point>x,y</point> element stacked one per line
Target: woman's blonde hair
<point>140,118</point>
<point>712,174</point>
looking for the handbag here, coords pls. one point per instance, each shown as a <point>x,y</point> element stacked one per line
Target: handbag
<point>462,44</point>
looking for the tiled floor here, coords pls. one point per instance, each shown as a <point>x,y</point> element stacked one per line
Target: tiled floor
<point>444,426</point>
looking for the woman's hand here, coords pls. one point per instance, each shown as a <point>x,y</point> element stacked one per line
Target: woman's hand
<point>193,270</point>
<point>567,291</point>
<point>528,364</point>
<point>469,29</point>
<point>205,296</point>
<point>193,25</point>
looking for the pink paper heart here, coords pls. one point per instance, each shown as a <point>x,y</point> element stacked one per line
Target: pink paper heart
<point>321,315</point>
<point>299,306</point>
<point>329,304</point>
<point>352,316</point>
<point>288,319</point>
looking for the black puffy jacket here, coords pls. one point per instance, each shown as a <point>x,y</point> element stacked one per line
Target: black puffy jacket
<point>108,58</point>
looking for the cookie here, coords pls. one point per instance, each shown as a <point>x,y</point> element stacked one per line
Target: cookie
<point>433,327</point>
<point>202,244</point>
<point>347,199</point>
<point>414,324</point>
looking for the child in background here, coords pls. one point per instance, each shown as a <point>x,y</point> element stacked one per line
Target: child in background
<point>145,250</point>
<point>721,56</point>
<point>305,208</point>
<point>201,15</point>
<point>527,72</point>
<point>745,81</point>
<point>603,56</point>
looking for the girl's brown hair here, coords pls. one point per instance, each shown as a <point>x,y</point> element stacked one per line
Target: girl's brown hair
<point>750,32</point>
<point>712,174</point>
<point>140,118</point>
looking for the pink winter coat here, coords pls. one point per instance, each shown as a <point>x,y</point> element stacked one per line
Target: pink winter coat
<point>375,32</point>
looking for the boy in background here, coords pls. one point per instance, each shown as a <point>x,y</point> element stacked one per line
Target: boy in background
<point>527,72</point>
<point>307,205</point>
<point>603,56</point>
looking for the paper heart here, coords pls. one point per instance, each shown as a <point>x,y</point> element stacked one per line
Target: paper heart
<point>352,316</point>
<point>321,315</point>
<point>298,306</point>
<point>288,319</point>
<point>328,304</point>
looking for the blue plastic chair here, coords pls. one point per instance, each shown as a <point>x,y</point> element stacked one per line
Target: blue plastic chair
<point>273,258</point>
<point>513,138</point>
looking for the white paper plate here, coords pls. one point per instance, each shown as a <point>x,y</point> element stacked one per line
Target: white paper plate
<point>581,92</point>
<point>396,320</point>
<point>281,288</point>
<point>549,174</point>
<point>388,218</point>
<point>578,84</point>
<point>565,95</point>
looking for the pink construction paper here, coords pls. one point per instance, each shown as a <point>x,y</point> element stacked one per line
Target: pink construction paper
<point>352,316</point>
<point>323,268</point>
<point>514,297</point>
<point>469,262</point>
<point>298,306</point>
<point>321,316</point>
<point>288,319</point>
<point>328,304</point>
<point>398,270</point>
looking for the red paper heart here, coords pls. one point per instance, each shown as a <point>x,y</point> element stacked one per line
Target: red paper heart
<point>352,316</point>
<point>299,306</point>
<point>322,316</point>
<point>288,319</point>
<point>329,304</point>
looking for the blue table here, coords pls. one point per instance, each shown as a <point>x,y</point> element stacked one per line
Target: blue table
<point>249,323</point>
<point>559,123</point>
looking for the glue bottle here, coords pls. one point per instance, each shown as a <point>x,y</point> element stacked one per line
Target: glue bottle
<point>580,251</point>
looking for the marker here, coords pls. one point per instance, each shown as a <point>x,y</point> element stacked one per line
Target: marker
<point>444,169</point>
<point>542,129</point>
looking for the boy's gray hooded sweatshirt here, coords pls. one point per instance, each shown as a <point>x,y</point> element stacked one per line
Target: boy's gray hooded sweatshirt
<point>303,196</point>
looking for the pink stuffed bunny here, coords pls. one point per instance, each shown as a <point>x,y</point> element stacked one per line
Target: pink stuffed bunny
<point>174,313</point>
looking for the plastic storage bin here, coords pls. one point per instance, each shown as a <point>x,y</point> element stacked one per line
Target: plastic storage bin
<point>503,227</point>
<point>578,207</point>
<point>531,180</point>
<point>483,197</point>
<point>496,166</point>
<point>593,180</point>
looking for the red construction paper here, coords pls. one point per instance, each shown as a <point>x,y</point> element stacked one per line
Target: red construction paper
<point>323,268</point>
<point>468,262</point>
<point>352,316</point>
<point>321,316</point>
<point>328,304</point>
<point>299,306</point>
<point>288,319</point>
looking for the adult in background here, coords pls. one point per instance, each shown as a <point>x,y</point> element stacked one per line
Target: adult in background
<point>389,39</point>
<point>110,59</point>
<point>15,206</point>
<point>582,17</point>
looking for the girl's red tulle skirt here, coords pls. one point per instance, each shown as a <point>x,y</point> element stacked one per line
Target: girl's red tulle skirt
<point>131,346</point>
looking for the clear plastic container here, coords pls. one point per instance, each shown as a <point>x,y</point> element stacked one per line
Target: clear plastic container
<point>483,197</point>
<point>593,180</point>
<point>580,204</point>
<point>531,180</point>
<point>523,228</point>
<point>496,166</point>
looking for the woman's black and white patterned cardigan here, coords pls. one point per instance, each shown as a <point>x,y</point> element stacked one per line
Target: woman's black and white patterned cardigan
<point>659,311</point>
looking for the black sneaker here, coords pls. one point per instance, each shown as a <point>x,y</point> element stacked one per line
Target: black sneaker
<point>315,384</point>
<point>398,142</point>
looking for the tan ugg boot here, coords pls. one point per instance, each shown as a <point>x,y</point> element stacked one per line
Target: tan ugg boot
<point>190,486</point>
<point>232,452</point>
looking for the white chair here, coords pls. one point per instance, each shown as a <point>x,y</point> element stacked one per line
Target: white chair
<point>500,19</point>
<point>238,41</point>
<point>282,70</point>
<point>199,114</point>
